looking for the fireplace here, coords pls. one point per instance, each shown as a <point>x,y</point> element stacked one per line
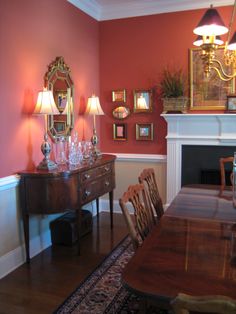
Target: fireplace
<point>194,131</point>
<point>200,164</point>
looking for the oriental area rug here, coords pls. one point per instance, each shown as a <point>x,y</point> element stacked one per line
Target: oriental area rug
<point>102,291</point>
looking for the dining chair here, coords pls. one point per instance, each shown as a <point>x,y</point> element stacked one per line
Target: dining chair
<point>217,304</point>
<point>143,220</point>
<point>147,177</point>
<point>223,162</point>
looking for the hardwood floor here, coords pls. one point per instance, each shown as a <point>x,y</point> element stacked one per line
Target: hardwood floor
<point>53,274</point>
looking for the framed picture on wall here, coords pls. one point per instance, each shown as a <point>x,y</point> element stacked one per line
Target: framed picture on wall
<point>144,131</point>
<point>142,101</point>
<point>231,104</point>
<point>119,95</point>
<point>208,93</point>
<point>120,131</point>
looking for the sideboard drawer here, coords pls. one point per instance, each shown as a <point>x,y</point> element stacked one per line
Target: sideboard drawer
<point>91,174</point>
<point>97,188</point>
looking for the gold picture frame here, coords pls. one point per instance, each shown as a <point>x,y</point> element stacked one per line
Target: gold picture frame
<point>144,131</point>
<point>120,131</point>
<point>119,95</point>
<point>208,93</point>
<point>147,97</point>
<point>231,104</point>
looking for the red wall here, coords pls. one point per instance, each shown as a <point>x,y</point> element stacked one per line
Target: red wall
<point>133,53</point>
<point>124,53</point>
<point>32,34</point>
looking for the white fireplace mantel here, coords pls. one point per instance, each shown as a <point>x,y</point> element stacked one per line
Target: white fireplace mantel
<point>194,129</point>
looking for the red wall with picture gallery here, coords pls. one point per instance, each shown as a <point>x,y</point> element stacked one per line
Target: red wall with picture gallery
<point>133,53</point>
<point>103,56</point>
<point>32,34</point>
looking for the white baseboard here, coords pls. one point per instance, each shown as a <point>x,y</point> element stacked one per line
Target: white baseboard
<point>16,258</point>
<point>105,207</point>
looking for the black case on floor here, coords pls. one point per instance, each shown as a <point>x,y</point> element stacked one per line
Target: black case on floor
<point>64,228</point>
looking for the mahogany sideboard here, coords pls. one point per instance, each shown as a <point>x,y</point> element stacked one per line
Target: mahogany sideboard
<point>66,188</point>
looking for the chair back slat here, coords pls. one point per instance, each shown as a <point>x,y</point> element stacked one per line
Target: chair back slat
<point>144,218</point>
<point>223,162</point>
<point>147,177</point>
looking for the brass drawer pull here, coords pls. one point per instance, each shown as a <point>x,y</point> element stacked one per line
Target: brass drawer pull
<point>87,193</point>
<point>87,176</point>
<point>107,168</point>
<point>107,183</point>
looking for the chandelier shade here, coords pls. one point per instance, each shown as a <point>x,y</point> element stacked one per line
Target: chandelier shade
<point>208,30</point>
<point>211,24</point>
<point>232,43</point>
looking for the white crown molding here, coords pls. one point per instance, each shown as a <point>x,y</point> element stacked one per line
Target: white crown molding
<point>125,9</point>
<point>91,7</point>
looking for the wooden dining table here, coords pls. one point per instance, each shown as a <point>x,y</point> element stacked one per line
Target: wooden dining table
<point>191,250</point>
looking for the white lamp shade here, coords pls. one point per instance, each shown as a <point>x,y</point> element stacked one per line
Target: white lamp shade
<point>141,103</point>
<point>94,107</point>
<point>45,103</point>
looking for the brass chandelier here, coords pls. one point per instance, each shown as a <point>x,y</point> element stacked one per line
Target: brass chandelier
<point>209,29</point>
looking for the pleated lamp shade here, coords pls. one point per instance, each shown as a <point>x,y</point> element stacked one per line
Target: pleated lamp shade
<point>94,107</point>
<point>45,103</point>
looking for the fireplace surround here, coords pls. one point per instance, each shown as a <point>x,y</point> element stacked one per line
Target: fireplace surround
<point>194,129</point>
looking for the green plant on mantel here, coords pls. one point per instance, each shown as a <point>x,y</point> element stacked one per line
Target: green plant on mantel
<point>172,89</point>
<point>172,83</point>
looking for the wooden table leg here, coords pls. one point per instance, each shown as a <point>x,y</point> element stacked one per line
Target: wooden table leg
<point>111,207</point>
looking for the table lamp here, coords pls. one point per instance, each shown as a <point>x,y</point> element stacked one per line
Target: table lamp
<point>46,105</point>
<point>94,108</point>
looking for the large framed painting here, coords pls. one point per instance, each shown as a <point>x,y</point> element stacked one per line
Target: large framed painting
<point>208,93</point>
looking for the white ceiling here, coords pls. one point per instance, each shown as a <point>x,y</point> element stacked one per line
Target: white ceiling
<point>114,9</point>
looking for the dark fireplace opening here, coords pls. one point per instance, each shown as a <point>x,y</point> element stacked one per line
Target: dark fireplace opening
<point>201,164</point>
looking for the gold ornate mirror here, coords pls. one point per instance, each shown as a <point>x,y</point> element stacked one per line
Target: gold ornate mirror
<point>121,112</point>
<point>58,79</point>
